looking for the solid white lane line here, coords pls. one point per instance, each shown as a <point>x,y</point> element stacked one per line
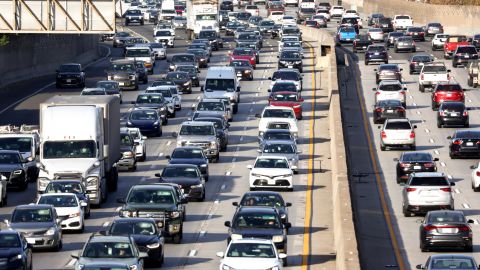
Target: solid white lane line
<point>223,187</point>
<point>216,201</point>
<point>106,223</point>
<point>418,112</point>
<point>410,97</point>
<point>241,138</point>
<point>160,154</point>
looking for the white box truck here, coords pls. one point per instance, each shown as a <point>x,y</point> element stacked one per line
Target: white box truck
<point>202,14</point>
<point>80,139</point>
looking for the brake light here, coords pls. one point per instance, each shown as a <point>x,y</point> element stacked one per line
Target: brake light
<point>478,142</point>
<point>477,173</point>
<point>413,63</point>
<point>400,109</point>
<point>429,228</point>
<point>251,59</point>
<point>457,142</point>
<point>446,189</point>
<point>402,92</point>
<point>377,93</point>
<point>463,228</point>
<point>412,135</point>
<point>383,134</point>
<point>379,109</point>
<point>442,113</point>
<point>405,165</point>
<point>421,76</point>
<point>428,165</point>
<point>411,189</point>
<point>465,113</point>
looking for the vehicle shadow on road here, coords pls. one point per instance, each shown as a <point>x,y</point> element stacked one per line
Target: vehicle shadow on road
<point>296,260</point>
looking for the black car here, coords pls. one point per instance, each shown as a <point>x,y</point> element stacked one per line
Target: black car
<point>182,59</point>
<point>266,198</point>
<point>417,33</point>
<point>231,28</point>
<point>259,222</point>
<point>15,252</point>
<point>201,56</point>
<point>190,155</point>
<point>216,42</point>
<point>221,125</point>
<point>276,30</point>
<point>70,75</point>
<point>392,38</point>
<point>159,202</point>
<point>463,54</point>
<point>192,72</point>
<point>410,162</point>
<point>243,16</point>
<point>182,80</point>
<point>388,72</point>
<point>146,235</point>
<point>446,228</point>
<point>243,69</point>
<point>226,5</point>
<point>142,71</point>
<point>464,143</point>
<point>188,177</point>
<point>361,43</point>
<point>452,113</point>
<point>385,24</point>
<point>147,120</point>
<point>476,41</point>
<point>290,59</point>
<point>388,108</point>
<point>417,61</point>
<point>376,53</point>
<point>12,166</point>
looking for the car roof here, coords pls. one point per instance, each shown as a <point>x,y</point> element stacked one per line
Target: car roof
<point>151,186</point>
<point>398,120</point>
<point>280,142</point>
<point>181,165</point>
<point>34,206</point>
<point>389,82</point>
<point>251,240</point>
<point>9,152</point>
<point>197,123</point>
<point>133,219</point>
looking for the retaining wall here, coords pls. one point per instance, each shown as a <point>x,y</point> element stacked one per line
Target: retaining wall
<point>33,55</point>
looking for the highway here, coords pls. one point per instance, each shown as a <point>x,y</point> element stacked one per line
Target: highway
<point>204,232</point>
<point>373,171</point>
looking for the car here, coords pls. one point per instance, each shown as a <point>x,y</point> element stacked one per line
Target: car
<point>451,44</point>
<point>244,54</point>
<point>271,172</point>
<point>69,208</point>
<point>190,155</point>
<point>268,199</point>
<point>179,22</point>
<point>146,120</point>
<point>202,57</point>
<point>388,72</point>
<point>111,87</point>
<point>438,41</point>
<point>266,26</point>
<point>372,17</point>
<point>231,27</point>
<point>127,148</point>
<point>188,177</point>
<point>287,99</point>
<point>433,28</point>
<point>214,39</point>
<point>287,149</point>
<point>273,114</point>
<point>391,89</point>
<point>463,55</point>
<point>361,43</point>
<point>226,5</point>
<point>182,59</point>
<point>159,202</point>
<point>464,143</point>
<point>119,38</point>
<point>243,69</point>
<point>432,74</point>
<point>39,224</point>
<point>71,186</point>
<point>417,33</point>
<point>117,249</point>
<point>349,21</point>
<point>376,53</point>
<point>221,126</point>
<point>446,228</point>
<point>156,102</point>
<point>16,252</point>
<point>251,253</point>
<point>215,106</point>
<point>417,62</point>
<point>287,39</point>
<point>398,133</point>
<point>290,59</point>
<point>336,11</point>
<point>140,142</point>
<point>125,73</point>
<point>275,134</point>
<point>402,22</point>
<point>181,79</point>
<point>386,24</point>
<point>311,23</point>
<point>142,71</point>
<point>405,43</point>
<point>252,9</point>
<point>427,191</point>
<point>202,134</point>
<point>93,91</point>
<point>473,74</point>
<point>192,73</point>
<point>141,54</point>
<point>392,37</point>
<point>165,37</point>
<point>168,89</point>
<point>133,16</point>
<point>243,16</point>
<point>410,162</point>
<point>346,34</point>
<point>13,168</point>
<point>449,91</point>
<point>287,75</point>
<point>387,108</point>
<point>320,19</point>
<point>452,113</point>
<point>475,177</point>
<point>376,34</point>
<point>449,261</point>
<point>282,86</point>
<point>70,74</point>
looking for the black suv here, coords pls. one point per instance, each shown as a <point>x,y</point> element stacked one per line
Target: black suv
<point>12,166</point>
<point>125,73</point>
<point>187,176</point>
<point>15,252</point>
<point>385,24</point>
<point>410,162</point>
<point>290,59</point>
<point>216,42</point>
<point>452,113</point>
<point>361,43</point>
<point>133,16</point>
<point>190,155</point>
<point>376,53</point>
<point>226,5</point>
<point>463,54</point>
<point>159,202</point>
<point>70,75</point>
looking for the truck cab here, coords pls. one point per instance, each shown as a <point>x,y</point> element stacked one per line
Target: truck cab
<point>143,54</point>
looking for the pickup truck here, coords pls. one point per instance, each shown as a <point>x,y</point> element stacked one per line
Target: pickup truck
<point>473,74</point>
<point>402,22</point>
<point>451,44</point>
<point>432,74</point>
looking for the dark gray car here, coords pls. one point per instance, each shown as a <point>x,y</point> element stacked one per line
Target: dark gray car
<point>12,166</point>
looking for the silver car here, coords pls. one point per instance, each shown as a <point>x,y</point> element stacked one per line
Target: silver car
<point>405,43</point>
<point>201,134</point>
<point>285,148</point>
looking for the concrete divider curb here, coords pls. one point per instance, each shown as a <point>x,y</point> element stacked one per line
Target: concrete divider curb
<point>344,231</point>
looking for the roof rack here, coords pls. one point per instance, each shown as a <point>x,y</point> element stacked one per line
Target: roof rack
<point>26,129</point>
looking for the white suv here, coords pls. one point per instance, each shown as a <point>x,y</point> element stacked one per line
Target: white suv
<point>397,132</point>
<point>391,89</point>
<point>438,41</point>
<point>427,191</point>
<point>277,114</point>
<point>271,172</point>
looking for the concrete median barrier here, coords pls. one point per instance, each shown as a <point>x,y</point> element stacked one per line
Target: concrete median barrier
<point>344,231</point>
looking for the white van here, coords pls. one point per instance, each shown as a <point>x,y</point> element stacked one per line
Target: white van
<point>222,82</point>
<point>143,54</point>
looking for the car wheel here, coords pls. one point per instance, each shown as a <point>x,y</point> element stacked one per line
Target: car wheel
<point>467,125</point>
<point>165,121</point>
<point>424,248</point>
<point>59,246</point>
<point>469,248</point>
<point>177,239</point>
<point>452,156</point>
<point>366,63</point>
<point>413,147</point>
<point>411,72</point>
<point>134,168</point>
<point>203,196</point>
<point>24,185</point>
<point>395,50</point>
<point>145,81</point>
<point>252,189</point>
<point>421,88</point>
<point>439,124</point>
<point>406,213</point>
<point>383,147</point>
<point>284,262</point>
<point>470,81</point>
<point>454,64</point>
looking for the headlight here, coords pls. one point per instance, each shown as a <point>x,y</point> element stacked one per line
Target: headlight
<point>162,109</point>
<point>295,134</point>
<point>283,216</point>
<point>155,123</point>
<point>197,186</point>
<point>256,175</point>
<point>131,77</point>
<point>16,257</point>
<point>186,84</point>
<point>154,245</point>
<point>92,181</point>
<point>133,267</point>
<point>174,214</point>
<point>172,67</point>
<point>50,231</point>
<point>213,144</point>
<point>17,172</point>
<point>129,123</point>
<point>226,267</point>
<point>277,238</point>
<point>128,154</point>
<point>247,71</point>
<point>236,236</point>
<point>74,215</point>
<point>203,165</point>
<point>284,175</point>
<point>298,62</point>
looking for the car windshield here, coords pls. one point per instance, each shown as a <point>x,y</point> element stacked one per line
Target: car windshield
<point>206,130</point>
<point>108,250</point>
<point>398,125</point>
<point>277,136</point>
<point>122,34</point>
<point>293,43</point>
<point>289,87</point>
<point>93,93</point>
<point>311,23</point>
<point>143,115</point>
<point>285,75</point>
<point>59,187</point>
<point>278,113</point>
<point>187,153</point>
<point>307,10</point>
<point>267,23</point>
<point>187,172</point>
<point>138,53</point>
<point>242,51</point>
<point>69,149</point>
<point>244,15</point>
<point>390,87</point>
<point>133,12</point>
<point>405,39</point>
<point>149,99</point>
<point>126,140</point>
<point>375,30</point>
<point>189,69</point>
<point>59,201</point>
<point>9,240</point>
<point>163,33</point>
<point>291,31</point>
<point>9,158</point>
<point>442,36</point>
<point>347,30</point>
<point>445,217</point>
<point>455,39</point>
<point>123,67</point>
<point>449,87</point>
<point>69,68</point>
<point>214,84</point>
<point>415,29</point>
<point>256,220</point>
<point>402,17</point>
<point>429,181</point>
<point>21,144</point>
<point>165,92</point>
<point>108,85</point>
<point>272,200</point>
<point>452,263</point>
<point>150,196</point>
<point>216,122</point>
<point>32,215</point>
<point>285,97</point>
<point>183,58</point>
<point>452,106</point>
<point>376,49</point>
<point>271,163</point>
<point>414,157</point>
<point>133,227</point>
<point>211,106</point>
<point>177,76</point>
<point>279,148</point>
<point>291,54</point>
<point>207,34</point>
<point>251,250</point>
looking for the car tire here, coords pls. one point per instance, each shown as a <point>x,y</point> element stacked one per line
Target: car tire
<point>145,81</point>
<point>406,213</point>
<point>413,147</point>
<point>395,50</point>
<point>468,248</point>
<point>470,81</point>
<point>467,125</point>
<point>165,121</point>
<point>177,238</point>
<point>452,156</point>
<point>134,168</point>
<point>454,64</point>
<point>366,63</point>
<point>411,72</point>
<point>383,147</point>
<point>424,248</point>
<point>421,88</point>
<point>386,62</point>
<point>439,124</point>
<point>59,246</point>
<point>202,199</point>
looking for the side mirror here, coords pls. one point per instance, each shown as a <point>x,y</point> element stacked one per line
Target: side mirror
<point>379,127</point>
<point>414,126</point>
<point>238,88</point>
<point>269,90</point>
<point>395,159</point>
<point>278,56</point>
<point>449,137</point>
<point>75,255</point>
<point>184,201</point>
<point>83,204</point>
<point>470,221</point>
<point>158,175</point>
<point>235,203</point>
<point>419,266</point>
<point>174,134</point>
<point>120,200</point>
<point>227,224</point>
<point>282,255</point>
<point>270,78</point>
<point>168,157</point>
<point>288,225</point>
<point>249,167</point>
<point>436,159</point>
<point>220,254</point>
<point>473,167</point>
<point>452,184</point>
<point>257,115</point>
<point>401,69</point>
<point>374,89</point>
<point>405,88</point>
<point>448,70</point>
<point>29,159</point>
<point>375,70</point>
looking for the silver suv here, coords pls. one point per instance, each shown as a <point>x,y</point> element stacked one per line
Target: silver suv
<point>201,134</point>
<point>427,191</point>
<point>397,133</point>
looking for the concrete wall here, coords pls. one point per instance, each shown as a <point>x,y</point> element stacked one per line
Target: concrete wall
<point>344,230</point>
<point>33,55</point>
<point>455,19</point>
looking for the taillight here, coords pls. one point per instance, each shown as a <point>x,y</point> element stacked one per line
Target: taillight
<point>411,189</point>
<point>379,109</point>
<point>465,113</point>
<point>377,93</point>
<point>446,189</point>
<point>477,173</point>
<point>429,228</point>
<point>442,113</point>
<point>402,92</point>
<point>413,63</point>
<point>412,135</point>
<point>457,142</point>
<point>383,134</point>
<point>253,58</point>
<point>428,165</point>
<point>463,228</point>
<point>421,76</point>
<point>400,109</point>
<point>405,165</point>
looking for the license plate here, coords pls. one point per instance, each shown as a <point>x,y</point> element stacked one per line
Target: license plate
<point>454,114</point>
<point>121,84</point>
<point>364,47</point>
<point>466,56</point>
<point>389,111</point>
<point>290,66</point>
<point>420,64</point>
<point>69,80</point>
<point>448,230</point>
<point>349,39</point>
<point>415,34</point>
<point>417,167</point>
<point>469,143</point>
<point>377,53</point>
<point>31,240</point>
<point>449,95</point>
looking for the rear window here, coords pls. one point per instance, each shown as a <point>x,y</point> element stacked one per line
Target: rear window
<point>445,217</point>
<point>390,87</point>
<point>434,69</point>
<point>402,17</point>
<point>468,134</point>
<point>467,49</point>
<point>429,181</point>
<point>376,48</point>
<point>410,157</point>
<point>421,58</point>
<point>456,106</point>
<point>449,87</point>
<point>398,125</point>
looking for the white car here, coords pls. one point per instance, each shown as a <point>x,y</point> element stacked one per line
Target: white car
<point>68,207</point>
<point>165,37</point>
<point>271,172</point>
<point>159,50</point>
<point>141,147</point>
<point>3,190</point>
<point>427,191</point>
<point>277,16</point>
<point>277,114</point>
<point>324,13</point>
<point>390,89</point>
<point>397,132</point>
<point>285,39</point>
<point>170,94</point>
<point>438,41</point>
<point>402,22</point>
<point>475,177</point>
<point>336,11</point>
<point>252,9</point>
<point>289,20</point>
<point>359,20</point>
<point>376,34</point>
<point>251,254</point>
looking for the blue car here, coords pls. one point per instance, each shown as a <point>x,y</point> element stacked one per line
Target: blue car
<point>15,253</point>
<point>147,120</point>
<point>346,35</point>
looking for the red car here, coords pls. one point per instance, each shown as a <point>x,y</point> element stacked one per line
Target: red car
<point>288,99</point>
<point>277,6</point>
<point>447,91</point>
<point>451,44</point>
<point>179,9</point>
<point>244,54</point>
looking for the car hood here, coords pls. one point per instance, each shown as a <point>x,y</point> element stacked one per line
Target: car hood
<point>65,211</point>
<point>284,103</point>
<point>290,59</point>
<point>250,263</point>
<point>262,125</point>
<point>196,138</point>
<point>181,81</point>
<point>288,156</point>
<point>69,166</point>
<point>120,74</point>
<point>147,206</point>
<point>10,167</point>
<point>271,171</point>
<point>128,261</point>
<point>196,161</point>
<point>218,94</point>
<point>68,73</point>
<point>182,181</point>
<point>142,122</point>
<point>31,226</point>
